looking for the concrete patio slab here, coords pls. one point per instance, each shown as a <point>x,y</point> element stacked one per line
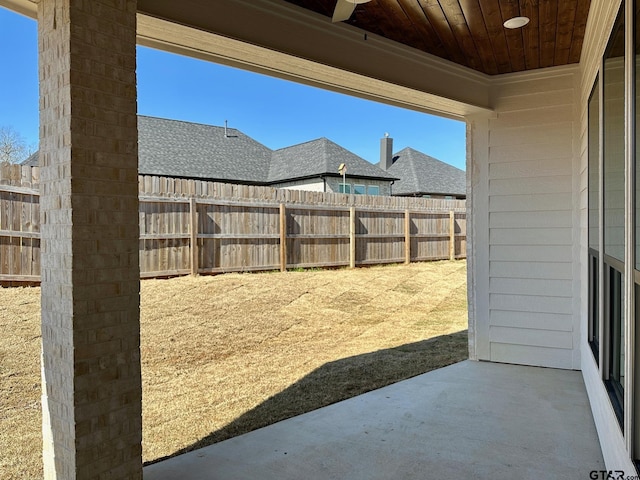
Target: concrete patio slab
<point>468,420</point>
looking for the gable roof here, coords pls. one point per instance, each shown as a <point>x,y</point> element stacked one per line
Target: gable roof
<point>184,149</point>
<point>320,157</point>
<point>422,174</point>
<point>175,148</point>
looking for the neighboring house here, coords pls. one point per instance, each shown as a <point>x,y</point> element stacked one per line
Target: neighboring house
<point>421,175</point>
<point>175,148</point>
<point>314,166</point>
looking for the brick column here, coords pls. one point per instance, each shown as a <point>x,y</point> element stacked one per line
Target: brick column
<point>92,392</point>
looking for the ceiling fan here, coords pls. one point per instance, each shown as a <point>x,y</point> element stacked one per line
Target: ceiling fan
<point>344,9</point>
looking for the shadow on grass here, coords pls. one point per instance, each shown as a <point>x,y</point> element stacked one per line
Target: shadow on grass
<point>342,379</point>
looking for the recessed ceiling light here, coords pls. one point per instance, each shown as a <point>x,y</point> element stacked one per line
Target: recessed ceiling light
<point>516,22</point>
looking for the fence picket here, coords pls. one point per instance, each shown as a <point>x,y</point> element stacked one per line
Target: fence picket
<point>241,227</point>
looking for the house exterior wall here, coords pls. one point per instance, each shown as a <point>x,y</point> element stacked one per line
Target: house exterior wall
<point>612,442</point>
<point>522,202</point>
<point>333,184</point>
<point>311,185</point>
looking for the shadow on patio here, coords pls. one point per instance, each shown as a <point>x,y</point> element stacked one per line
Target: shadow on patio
<point>468,420</point>
<point>342,379</point>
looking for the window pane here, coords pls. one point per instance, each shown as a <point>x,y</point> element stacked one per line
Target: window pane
<point>594,167</point>
<point>345,188</point>
<point>373,190</point>
<point>593,174</point>
<point>613,107</point>
<point>616,342</point>
<point>637,153</point>
<point>359,189</point>
<point>594,308</point>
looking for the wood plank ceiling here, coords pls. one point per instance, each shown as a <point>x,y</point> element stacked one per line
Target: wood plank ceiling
<point>471,32</point>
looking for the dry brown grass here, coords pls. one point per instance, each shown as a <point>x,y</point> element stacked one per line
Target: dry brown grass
<point>227,354</point>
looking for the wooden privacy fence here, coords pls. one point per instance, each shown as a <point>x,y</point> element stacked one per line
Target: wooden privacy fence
<point>242,236</point>
<point>191,226</point>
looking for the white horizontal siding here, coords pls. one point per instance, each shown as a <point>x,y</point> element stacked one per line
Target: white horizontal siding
<point>544,151</point>
<point>537,219</point>
<point>529,136</point>
<point>531,253</point>
<point>530,202</point>
<point>530,303</point>
<point>531,286</point>
<point>533,320</point>
<point>524,186</point>
<point>538,116</point>
<point>531,355</point>
<point>532,337</point>
<point>530,220</point>
<point>532,100</point>
<point>524,237</point>
<point>530,168</point>
<point>545,270</point>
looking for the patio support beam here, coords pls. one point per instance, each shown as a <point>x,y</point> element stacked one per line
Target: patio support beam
<point>90,274</point>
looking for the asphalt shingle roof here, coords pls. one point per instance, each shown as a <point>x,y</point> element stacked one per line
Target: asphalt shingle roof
<point>184,149</point>
<point>422,174</point>
<point>320,157</point>
<point>176,148</point>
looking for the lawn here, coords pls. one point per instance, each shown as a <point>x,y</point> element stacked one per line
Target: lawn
<point>224,355</point>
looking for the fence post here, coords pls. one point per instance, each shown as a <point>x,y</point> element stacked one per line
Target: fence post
<point>452,235</point>
<point>283,237</point>
<point>352,237</point>
<point>193,223</point>
<point>407,237</point>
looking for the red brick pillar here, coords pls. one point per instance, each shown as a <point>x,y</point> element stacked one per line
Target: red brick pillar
<point>92,425</point>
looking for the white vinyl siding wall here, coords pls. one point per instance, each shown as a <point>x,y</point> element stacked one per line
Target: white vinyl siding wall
<point>529,317</point>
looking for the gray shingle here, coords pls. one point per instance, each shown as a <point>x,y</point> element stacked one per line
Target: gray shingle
<point>175,148</point>
<point>184,149</point>
<point>421,174</point>
<point>320,157</point>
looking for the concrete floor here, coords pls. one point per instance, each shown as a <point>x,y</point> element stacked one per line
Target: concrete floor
<point>468,420</point>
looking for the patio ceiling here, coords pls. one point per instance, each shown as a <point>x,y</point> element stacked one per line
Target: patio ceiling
<point>471,32</point>
<point>467,32</point>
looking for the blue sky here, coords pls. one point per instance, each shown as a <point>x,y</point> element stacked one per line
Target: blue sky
<point>275,112</point>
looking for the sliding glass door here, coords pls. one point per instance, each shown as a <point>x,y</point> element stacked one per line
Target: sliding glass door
<point>613,176</point>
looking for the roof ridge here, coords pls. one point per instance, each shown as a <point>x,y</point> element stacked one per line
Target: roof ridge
<point>176,120</point>
<point>302,143</point>
<point>412,165</point>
